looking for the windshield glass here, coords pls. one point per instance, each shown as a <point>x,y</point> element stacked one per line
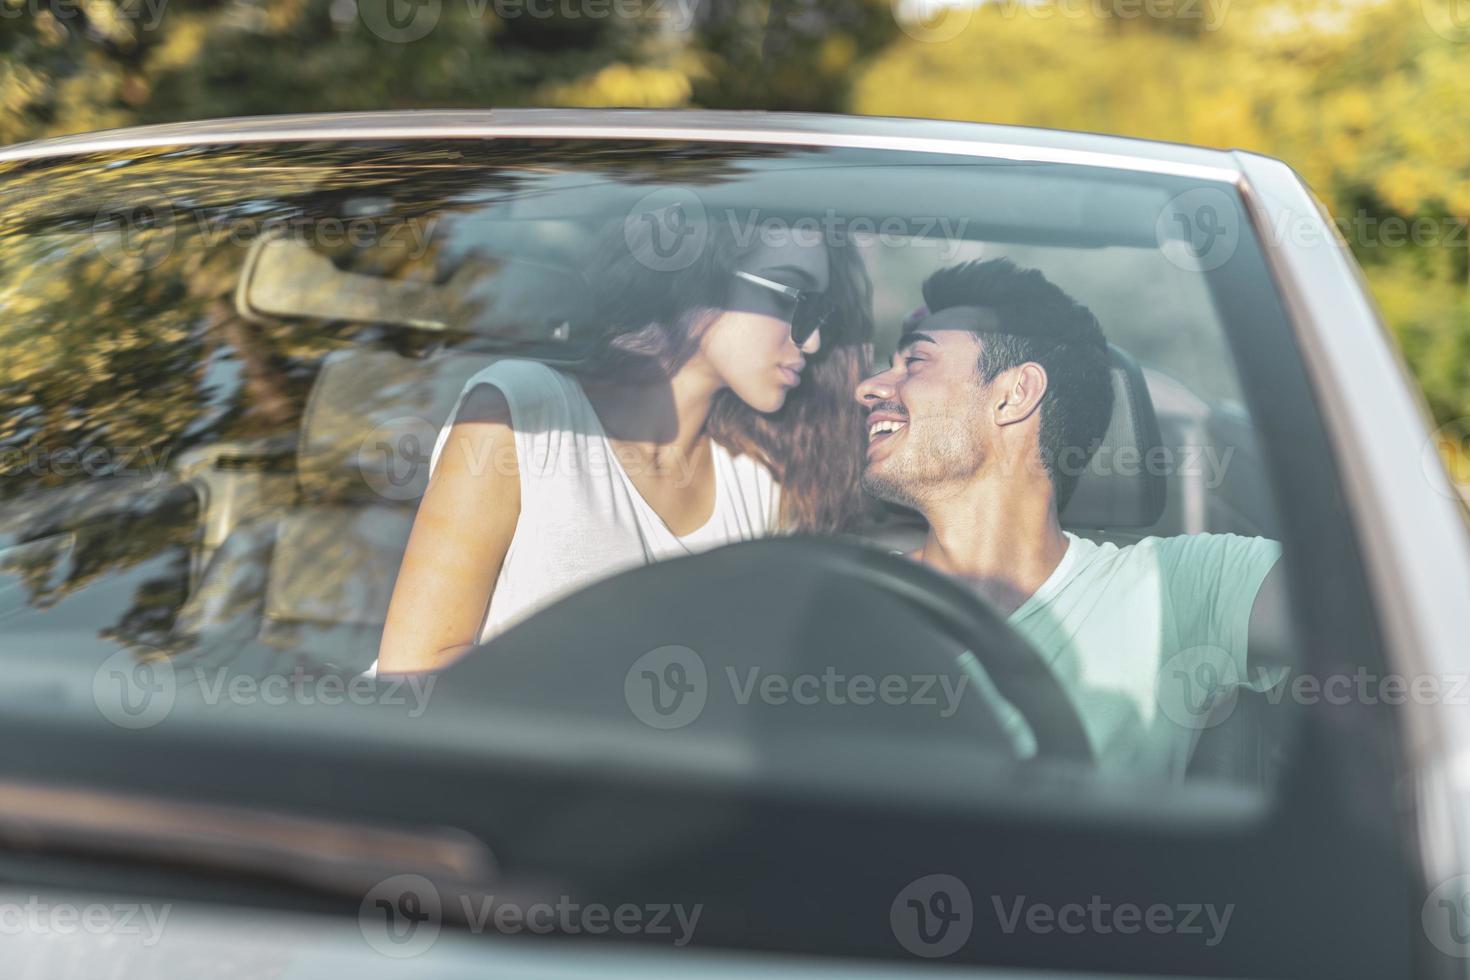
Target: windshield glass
<point>733,447</point>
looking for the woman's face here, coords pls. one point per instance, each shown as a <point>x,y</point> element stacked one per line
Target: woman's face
<point>749,344</point>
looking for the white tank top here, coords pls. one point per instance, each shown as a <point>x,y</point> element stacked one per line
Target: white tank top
<point>582,519</point>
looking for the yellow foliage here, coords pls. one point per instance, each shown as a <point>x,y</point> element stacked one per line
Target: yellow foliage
<point>836,54</point>
<point>626,85</point>
<point>1357,94</point>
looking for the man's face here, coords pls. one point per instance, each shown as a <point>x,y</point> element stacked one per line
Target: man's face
<point>926,420</point>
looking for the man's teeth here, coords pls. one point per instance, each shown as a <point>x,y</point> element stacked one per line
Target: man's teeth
<point>888,425</point>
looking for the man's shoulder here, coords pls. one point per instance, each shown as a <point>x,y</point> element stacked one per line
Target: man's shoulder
<point>1198,568</point>
<point>1200,542</point>
<point>1178,554</point>
<point>1209,544</point>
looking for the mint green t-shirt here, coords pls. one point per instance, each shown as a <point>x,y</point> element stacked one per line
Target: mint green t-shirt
<point>1144,636</point>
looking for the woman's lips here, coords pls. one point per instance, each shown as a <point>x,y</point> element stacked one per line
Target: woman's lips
<point>792,377</point>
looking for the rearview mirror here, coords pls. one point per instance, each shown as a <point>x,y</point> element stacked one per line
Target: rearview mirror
<point>513,300</point>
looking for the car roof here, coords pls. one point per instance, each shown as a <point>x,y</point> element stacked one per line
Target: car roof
<point>791,128</point>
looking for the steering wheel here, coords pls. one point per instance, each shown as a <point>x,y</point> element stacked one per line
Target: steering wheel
<point>775,625</point>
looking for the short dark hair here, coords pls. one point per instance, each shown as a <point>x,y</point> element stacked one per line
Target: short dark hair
<point>1041,323</point>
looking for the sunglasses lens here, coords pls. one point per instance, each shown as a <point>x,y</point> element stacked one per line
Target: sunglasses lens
<point>806,313</point>
<point>811,313</point>
<point>758,299</point>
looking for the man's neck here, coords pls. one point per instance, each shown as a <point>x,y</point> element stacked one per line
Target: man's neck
<point>1002,536</point>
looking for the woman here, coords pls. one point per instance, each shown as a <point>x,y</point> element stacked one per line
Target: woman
<point>718,408</point>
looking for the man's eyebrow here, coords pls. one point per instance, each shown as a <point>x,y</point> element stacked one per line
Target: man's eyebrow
<point>911,338</point>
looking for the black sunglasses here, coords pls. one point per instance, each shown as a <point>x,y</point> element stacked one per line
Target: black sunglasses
<point>805,310</point>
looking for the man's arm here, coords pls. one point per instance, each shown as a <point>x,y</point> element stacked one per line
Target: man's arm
<point>1228,593</point>
<point>1268,636</point>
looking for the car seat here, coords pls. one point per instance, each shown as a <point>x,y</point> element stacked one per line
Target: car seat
<point>311,584</point>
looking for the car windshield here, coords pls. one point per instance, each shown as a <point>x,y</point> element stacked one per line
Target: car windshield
<point>754,460</point>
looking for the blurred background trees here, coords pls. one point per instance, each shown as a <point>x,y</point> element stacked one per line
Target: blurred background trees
<point>1365,98</point>
<point>1368,99</point>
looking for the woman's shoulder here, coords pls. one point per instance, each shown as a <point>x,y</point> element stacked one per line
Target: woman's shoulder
<point>537,402</point>
<point>519,374</point>
<point>532,392</point>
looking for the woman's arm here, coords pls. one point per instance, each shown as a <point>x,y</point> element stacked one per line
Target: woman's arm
<point>460,536</point>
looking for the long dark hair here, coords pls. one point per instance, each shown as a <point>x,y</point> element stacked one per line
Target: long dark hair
<point>652,318</point>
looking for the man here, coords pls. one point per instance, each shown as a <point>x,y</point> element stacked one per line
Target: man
<point>996,398</point>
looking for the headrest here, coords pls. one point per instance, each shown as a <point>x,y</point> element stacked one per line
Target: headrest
<point>371,420</point>
<point>1123,484</point>
<point>522,301</point>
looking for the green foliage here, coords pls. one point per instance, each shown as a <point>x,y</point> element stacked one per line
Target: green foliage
<point>1365,100</point>
<point>78,65</point>
<point>69,67</point>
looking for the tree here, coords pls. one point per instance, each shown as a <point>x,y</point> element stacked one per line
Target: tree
<point>1366,101</point>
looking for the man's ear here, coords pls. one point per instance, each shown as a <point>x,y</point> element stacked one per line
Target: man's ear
<point>1018,393</point>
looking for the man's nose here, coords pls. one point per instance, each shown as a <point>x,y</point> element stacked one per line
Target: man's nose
<point>876,388</point>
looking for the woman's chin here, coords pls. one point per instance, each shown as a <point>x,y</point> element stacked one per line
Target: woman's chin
<point>764,400</point>
<point>772,402</point>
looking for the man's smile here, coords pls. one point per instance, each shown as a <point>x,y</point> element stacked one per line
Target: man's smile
<point>884,427</point>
